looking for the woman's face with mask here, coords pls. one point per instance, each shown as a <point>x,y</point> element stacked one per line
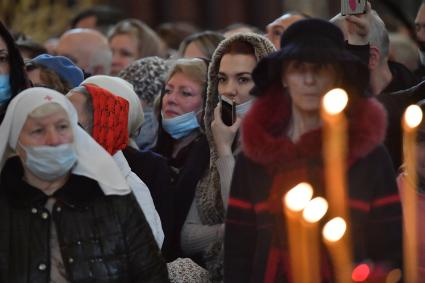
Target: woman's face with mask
<point>182,95</point>
<point>51,130</point>
<point>4,58</point>
<point>45,145</point>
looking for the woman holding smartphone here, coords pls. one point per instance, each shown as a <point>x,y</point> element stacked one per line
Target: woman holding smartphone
<point>229,78</point>
<point>282,147</point>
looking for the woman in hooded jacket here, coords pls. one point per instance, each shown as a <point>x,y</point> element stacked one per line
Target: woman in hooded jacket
<point>229,76</point>
<point>281,141</point>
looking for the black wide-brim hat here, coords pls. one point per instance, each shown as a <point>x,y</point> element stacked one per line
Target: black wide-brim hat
<point>313,41</point>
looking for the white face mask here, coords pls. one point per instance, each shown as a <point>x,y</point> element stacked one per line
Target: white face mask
<point>50,162</point>
<point>242,109</point>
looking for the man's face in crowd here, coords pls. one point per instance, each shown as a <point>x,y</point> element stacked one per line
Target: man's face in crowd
<point>278,27</point>
<point>76,48</point>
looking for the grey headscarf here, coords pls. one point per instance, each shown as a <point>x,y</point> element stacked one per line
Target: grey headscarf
<point>147,77</point>
<point>208,196</point>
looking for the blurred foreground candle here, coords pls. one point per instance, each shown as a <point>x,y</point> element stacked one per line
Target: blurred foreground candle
<point>336,237</point>
<point>312,214</point>
<point>412,119</point>
<point>294,202</point>
<point>335,151</point>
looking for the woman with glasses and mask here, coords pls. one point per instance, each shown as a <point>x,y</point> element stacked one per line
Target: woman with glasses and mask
<point>13,78</point>
<point>229,78</point>
<point>180,136</point>
<point>66,212</point>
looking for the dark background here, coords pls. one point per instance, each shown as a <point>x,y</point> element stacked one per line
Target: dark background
<point>42,19</point>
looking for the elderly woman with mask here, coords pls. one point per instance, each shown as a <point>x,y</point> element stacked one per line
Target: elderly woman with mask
<point>67,213</point>
<point>180,136</point>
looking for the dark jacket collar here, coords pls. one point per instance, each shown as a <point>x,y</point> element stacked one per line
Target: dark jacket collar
<point>79,191</point>
<point>264,140</point>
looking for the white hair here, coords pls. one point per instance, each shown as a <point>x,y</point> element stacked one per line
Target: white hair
<point>101,57</point>
<point>378,35</point>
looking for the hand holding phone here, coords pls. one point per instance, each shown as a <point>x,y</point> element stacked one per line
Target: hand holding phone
<point>228,110</point>
<point>353,7</point>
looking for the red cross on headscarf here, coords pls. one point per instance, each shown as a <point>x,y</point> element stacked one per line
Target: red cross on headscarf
<point>48,98</point>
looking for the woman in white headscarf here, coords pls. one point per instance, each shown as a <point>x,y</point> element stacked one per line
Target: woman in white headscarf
<point>104,116</point>
<point>151,168</point>
<point>66,212</point>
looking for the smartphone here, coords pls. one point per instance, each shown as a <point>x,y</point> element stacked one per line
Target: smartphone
<point>353,7</point>
<point>228,110</point>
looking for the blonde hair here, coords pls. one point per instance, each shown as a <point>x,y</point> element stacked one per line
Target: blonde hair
<point>194,68</point>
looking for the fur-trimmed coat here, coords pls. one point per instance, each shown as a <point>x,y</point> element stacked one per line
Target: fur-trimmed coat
<point>271,164</point>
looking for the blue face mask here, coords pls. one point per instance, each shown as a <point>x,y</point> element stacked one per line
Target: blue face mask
<point>180,126</point>
<point>50,162</point>
<point>241,109</point>
<point>5,89</point>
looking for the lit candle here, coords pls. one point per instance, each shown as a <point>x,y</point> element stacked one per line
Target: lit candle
<point>412,118</point>
<point>312,214</point>
<point>335,237</point>
<point>335,151</point>
<point>294,202</point>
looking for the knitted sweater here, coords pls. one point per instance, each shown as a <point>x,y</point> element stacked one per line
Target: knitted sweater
<point>255,240</point>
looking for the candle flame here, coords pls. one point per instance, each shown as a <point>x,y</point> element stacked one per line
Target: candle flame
<point>360,273</point>
<point>413,116</point>
<point>299,196</point>
<point>315,210</point>
<point>334,229</point>
<point>335,101</point>
<point>394,276</point>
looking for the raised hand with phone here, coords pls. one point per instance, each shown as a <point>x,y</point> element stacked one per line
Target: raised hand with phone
<point>355,26</point>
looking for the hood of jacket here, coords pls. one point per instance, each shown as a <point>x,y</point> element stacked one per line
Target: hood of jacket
<point>209,202</point>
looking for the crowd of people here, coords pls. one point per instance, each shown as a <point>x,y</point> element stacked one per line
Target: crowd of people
<point>120,160</point>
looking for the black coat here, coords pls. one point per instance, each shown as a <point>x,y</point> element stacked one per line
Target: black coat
<point>101,238</point>
<point>396,103</point>
<point>186,170</point>
<point>250,233</point>
<point>153,170</point>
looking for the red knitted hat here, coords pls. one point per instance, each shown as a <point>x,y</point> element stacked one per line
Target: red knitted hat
<point>110,119</point>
